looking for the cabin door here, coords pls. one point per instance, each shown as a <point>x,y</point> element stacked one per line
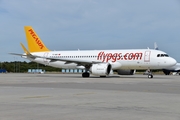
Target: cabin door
<point>147,56</point>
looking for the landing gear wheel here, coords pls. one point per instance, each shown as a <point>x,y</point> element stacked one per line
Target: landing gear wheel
<point>150,76</point>
<point>85,74</point>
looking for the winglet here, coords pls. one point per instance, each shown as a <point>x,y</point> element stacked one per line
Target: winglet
<point>25,50</point>
<point>35,44</point>
<point>28,54</point>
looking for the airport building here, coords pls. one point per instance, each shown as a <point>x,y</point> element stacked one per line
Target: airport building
<point>36,71</point>
<point>72,70</point>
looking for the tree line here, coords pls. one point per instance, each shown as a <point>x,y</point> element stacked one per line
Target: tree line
<point>21,67</point>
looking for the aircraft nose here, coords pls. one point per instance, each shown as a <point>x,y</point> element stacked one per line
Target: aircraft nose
<point>172,61</point>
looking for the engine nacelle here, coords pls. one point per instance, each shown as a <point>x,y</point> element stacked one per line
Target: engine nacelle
<point>101,69</point>
<point>126,72</point>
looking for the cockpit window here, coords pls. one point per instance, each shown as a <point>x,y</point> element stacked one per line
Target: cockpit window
<point>162,55</point>
<point>166,55</point>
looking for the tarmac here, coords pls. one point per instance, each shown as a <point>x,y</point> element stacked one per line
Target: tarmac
<point>71,97</point>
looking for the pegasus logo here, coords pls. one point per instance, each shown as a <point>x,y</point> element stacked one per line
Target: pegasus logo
<point>38,42</point>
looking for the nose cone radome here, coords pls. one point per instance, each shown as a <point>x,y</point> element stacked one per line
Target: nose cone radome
<point>172,61</point>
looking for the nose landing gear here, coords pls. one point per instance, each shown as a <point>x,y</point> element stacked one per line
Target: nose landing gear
<point>150,75</point>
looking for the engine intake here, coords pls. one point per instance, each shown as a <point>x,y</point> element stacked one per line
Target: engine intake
<point>101,69</point>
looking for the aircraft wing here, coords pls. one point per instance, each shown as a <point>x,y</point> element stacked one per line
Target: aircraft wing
<point>177,67</point>
<point>17,54</point>
<point>68,61</point>
<point>78,62</point>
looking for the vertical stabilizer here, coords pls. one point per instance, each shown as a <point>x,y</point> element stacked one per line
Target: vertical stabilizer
<point>35,44</point>
<point>155,46</point>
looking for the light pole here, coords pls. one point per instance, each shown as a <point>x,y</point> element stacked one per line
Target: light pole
<point>37,65</point>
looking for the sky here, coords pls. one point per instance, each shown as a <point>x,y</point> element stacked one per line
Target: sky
<point>91,24</point>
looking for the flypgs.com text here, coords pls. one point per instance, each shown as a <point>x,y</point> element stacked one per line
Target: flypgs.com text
<point>105,57</point>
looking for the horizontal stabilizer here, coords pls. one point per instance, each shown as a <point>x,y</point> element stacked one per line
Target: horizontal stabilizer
<point>17,54</point>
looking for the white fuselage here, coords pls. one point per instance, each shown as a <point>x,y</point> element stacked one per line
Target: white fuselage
<point>119,59</point>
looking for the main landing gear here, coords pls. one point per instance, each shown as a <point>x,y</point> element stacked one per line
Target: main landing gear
<point>86,74</point>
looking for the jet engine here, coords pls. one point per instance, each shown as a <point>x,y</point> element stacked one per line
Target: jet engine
<point>126,72</point>
<point>101,69</point>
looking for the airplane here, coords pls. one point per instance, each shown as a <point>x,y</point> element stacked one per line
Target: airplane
<point>175,69</point>
<point>95,62</point>
<point>167,71</point>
